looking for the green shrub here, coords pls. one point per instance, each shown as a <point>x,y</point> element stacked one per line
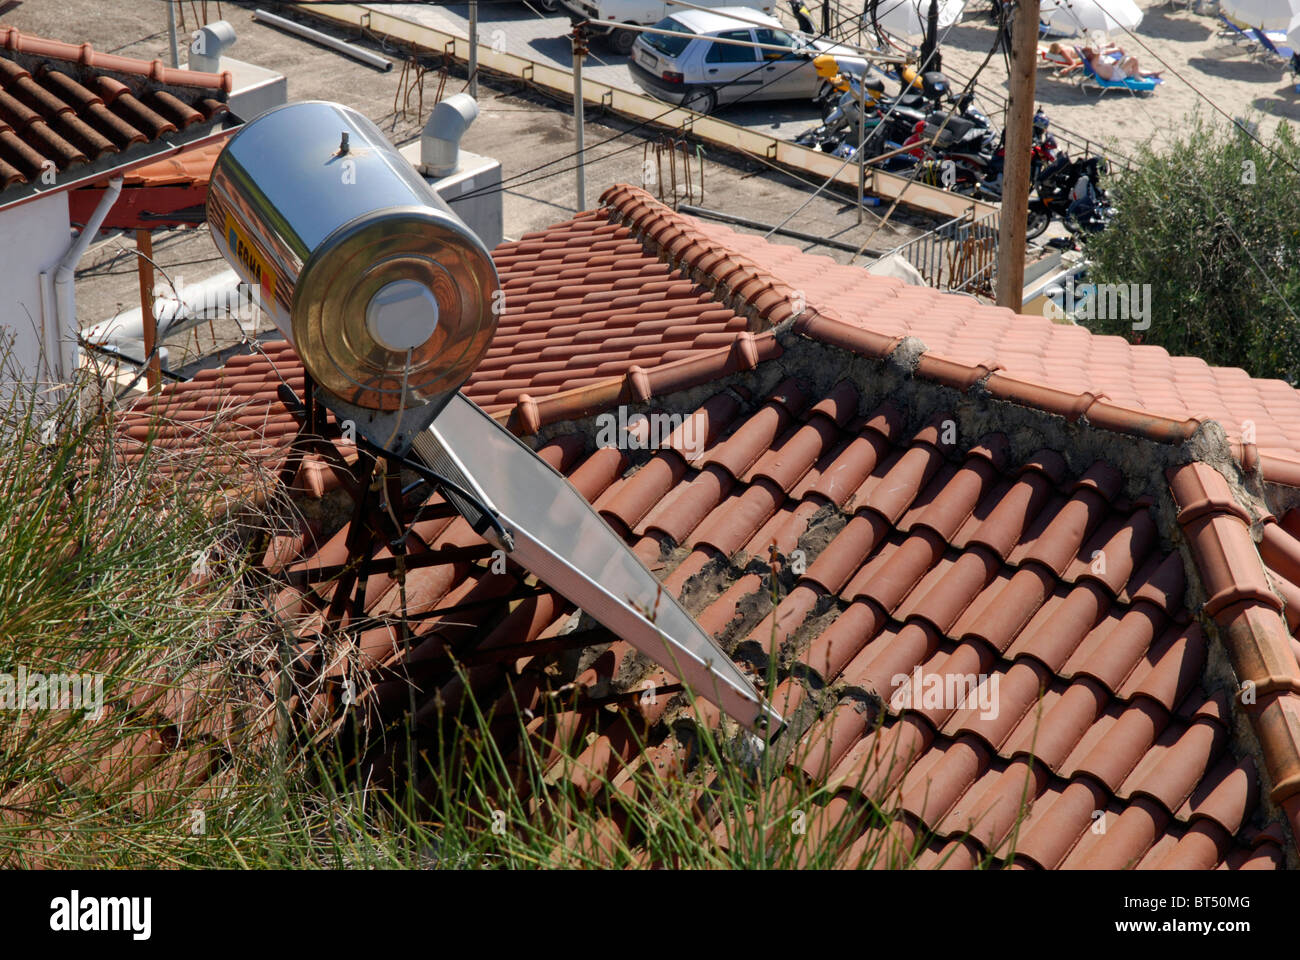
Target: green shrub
<point>1213,224</point>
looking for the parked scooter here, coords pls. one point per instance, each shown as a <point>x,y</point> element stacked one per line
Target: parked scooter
<point>887,122</point>
<point>967,152</point>
<point>839,100</point>
<point>1071,192</point>
<point>1045,159</point>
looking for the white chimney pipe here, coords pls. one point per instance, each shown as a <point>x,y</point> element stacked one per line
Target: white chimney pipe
<point>209,44</point>
<point>440,141</point>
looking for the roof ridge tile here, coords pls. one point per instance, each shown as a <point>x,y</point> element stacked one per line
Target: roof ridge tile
<point>11,38</point>
<point>1248,617</point>
<point>722,259</point>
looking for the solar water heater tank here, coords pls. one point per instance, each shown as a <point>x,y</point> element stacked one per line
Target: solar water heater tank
<point>391,302</point>
<point>386,295</point>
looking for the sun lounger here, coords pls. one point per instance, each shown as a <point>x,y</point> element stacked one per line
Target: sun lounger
<point>1236,34</point>
<point>1135,84</point>
<point>1230,31</point>
<point>1274,47</point>
<point>1048,59</point>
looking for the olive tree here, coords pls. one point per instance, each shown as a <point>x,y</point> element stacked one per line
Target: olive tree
<point>1212,223</point>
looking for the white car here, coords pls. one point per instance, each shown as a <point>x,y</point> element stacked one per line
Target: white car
<point>687,65</point>
<point>604,16</point>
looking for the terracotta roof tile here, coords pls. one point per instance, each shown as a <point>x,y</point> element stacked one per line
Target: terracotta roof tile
<point>1114,384</point>
<point>923,562</point>
<point>1083,724</point>
<point>1247,615</point>
<point>63,105</point>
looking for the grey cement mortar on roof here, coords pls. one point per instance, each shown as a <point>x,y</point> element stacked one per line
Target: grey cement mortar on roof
<point>1280,498</point>
<point>1218,677</point>
<point>819,367</point>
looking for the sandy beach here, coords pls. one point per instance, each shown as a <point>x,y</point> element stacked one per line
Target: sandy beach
<point>1194,59</point>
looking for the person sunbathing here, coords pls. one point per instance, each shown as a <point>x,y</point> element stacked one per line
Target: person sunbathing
<point>1125,68</point>
<point>1068,59</point>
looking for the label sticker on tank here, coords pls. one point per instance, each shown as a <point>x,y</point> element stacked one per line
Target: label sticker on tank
<point>258,269</point>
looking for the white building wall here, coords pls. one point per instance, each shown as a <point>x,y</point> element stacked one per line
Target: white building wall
<point>33,236</point>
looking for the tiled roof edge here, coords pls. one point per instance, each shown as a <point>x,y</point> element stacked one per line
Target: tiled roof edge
<point>1094,407</point>
<point>1284,471</point>
<point>528,415</point>
<point>1249,619</point>
<point>770,301</point>
<point>83,53</point>
<point>732,277</point>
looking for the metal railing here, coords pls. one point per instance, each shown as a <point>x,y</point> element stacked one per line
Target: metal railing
<point>959,255</point>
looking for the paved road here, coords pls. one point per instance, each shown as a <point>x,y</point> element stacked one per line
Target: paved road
<point>536,35</point>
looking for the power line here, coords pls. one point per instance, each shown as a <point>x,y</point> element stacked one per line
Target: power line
<point>970,85</point>
<point>487,191</point>
<point>1217,212</point>
<point>1196,90</point>
<point>862,119</point>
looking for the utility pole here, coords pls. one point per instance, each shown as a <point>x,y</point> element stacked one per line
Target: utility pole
<point>171,33</point>
<point>862,144</point>
<point>473,48</point>
<point>579,54</point>
<point>1019,146</point>
<point>826,18</point>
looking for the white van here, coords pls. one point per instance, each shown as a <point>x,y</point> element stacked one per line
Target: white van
<point>605,15</point>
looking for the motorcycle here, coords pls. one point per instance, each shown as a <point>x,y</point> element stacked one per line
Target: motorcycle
<point>968,153</point>
<point>839,102</point>
<point>1073,193</point>
<point>1045,158</point>
<point>883,124</point>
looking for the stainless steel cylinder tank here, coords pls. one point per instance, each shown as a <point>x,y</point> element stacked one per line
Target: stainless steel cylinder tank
<point>386,295</point>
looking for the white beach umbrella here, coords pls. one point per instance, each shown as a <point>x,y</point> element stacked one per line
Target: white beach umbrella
<point>1091,16</point>
<point>908,17</point>
<point>1262,14</point>
<point>1293,33</point>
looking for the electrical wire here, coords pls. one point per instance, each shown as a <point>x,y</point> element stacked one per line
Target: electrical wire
<point>512,182</point>
<point>1064,134</point>
<point>862,119</point>
<point>99,271</point>
<point>406,374</point>
<point>555,173</point>
<point>760,65</point>
<point>916,172</point>
<point>431,475</point>
<point>1196,90</point>
<point>378,450</point>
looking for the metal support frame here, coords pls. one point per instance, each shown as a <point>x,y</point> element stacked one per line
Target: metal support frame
<point>377,495</point>
<point>172,45</point>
